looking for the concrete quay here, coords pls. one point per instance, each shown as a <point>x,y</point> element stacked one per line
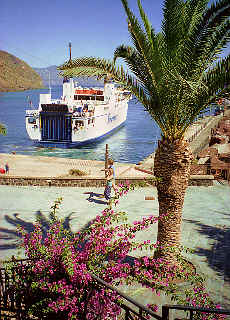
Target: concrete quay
<point>201,135</point>
<point>205,228</point>
<point>205,215</point>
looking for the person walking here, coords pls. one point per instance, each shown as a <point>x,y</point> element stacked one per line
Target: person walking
<point>7,168</point>
<point>111,172</point>
<point>111,167</point>
<point>108,186</point>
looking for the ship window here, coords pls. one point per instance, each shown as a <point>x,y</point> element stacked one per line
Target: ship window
<point>100,98</point>
<point>54,107</point>
<point>86,98</point>
<point>78,125</point>
<point>78,122</point>
<point>32,120</point>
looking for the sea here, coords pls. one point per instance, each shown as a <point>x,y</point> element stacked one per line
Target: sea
<point>132,143</point>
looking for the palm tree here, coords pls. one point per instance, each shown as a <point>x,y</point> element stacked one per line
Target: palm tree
<point>175,74</point>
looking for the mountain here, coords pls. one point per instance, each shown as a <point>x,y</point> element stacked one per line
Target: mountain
<point>17,75</point>
<point>50,77</point>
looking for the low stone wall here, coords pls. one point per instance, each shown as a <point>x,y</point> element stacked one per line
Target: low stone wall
<point>198,180</point>
<point>201,180</point>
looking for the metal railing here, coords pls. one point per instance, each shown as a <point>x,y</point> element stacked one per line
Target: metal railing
<point>191,310</point>
<point>129,312</point>
<point>12,307</point>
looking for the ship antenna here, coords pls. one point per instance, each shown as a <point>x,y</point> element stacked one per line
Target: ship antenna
<point>70,51</point>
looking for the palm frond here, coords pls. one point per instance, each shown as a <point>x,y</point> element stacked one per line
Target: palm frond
<point>148,27</point>
<point>212,18</point>
<point>216,13</point>
<point>139,38</point>
<point>101,68</point>
<point>136,64</point>
<point>191,16</point>
<point>171,25</point>
<point>155,41</point>
<point>218,77</point>
<point>217,41</point>
<point>86,66</point>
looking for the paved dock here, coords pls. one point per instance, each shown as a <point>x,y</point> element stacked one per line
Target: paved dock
<point>206,225</point>
<point>206,217</point>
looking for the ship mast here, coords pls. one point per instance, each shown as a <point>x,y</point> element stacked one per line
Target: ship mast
<point>70,51</point>
<point>49,83</point>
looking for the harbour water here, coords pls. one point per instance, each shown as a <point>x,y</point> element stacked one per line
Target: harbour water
<point>132,143</point>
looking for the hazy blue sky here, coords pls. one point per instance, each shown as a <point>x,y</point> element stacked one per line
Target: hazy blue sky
<point>38,31</point>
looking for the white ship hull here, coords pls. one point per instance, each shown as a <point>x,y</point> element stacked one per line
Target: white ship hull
<point>81,116</point>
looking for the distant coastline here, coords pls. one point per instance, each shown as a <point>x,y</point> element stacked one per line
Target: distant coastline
<point>17,75</point>
<point>20,89</point>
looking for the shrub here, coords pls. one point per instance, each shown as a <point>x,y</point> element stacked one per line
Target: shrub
<point>77,172</point>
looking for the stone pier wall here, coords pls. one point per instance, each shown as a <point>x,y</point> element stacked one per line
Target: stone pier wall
<point>199,180</point>
<point>201,139</point>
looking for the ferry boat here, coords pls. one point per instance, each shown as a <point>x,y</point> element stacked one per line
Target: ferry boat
<point>81,116</point>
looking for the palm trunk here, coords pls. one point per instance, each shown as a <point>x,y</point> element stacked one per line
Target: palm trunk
<point>172,165</point>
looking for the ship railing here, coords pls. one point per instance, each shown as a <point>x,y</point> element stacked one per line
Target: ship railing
<point>57,101</point>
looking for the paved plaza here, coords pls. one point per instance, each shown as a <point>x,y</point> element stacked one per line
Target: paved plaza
<point>206,224</point>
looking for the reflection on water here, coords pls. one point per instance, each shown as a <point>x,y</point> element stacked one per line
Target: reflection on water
<point>133,142</point>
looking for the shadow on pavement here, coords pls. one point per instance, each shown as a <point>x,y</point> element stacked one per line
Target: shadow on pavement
<point>10,238</point>
<point>218,256</point>
<point>97,195</point>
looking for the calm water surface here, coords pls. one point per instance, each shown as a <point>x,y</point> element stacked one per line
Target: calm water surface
<point>132,143</point>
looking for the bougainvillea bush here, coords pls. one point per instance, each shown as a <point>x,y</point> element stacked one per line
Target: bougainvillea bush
<point>57,284</point>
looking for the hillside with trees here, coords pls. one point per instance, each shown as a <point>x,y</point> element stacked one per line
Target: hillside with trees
<point>16,75</point>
